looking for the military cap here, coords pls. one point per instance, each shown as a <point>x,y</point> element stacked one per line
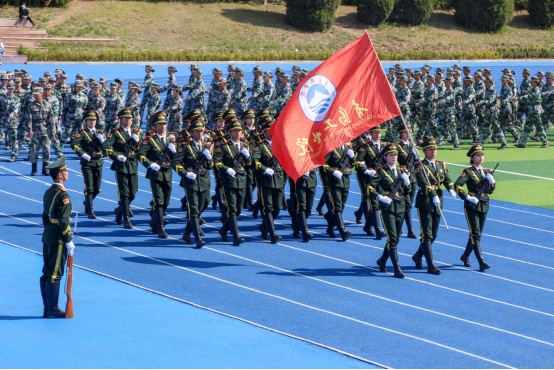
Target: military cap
<point>11,85</point>
<point>229,112</point>
<point>476,149</point>
<point>468,78</point>
<point>236,125</point>
<point>417,73</point>
<point>114,85</point>
<point>296,73</point>
<point>457,72</point>
<point>295,67</point>
<point>230,66</point>
<point>198,70</point>
<point>429,76</point>
<point>51,79</point>
<point>34,83</point>
<point>239,71</point>
<point>304,73</point>
<point>79,83</point>
<point>103,79</point>
<point>409,70</point>
<point>17,79</point>
<point>480,70</point>
<point>24,71</point>
<point>9,73</point>
<point>450,70</point>
<point>526,70</point>
<point>193,66</point>
<point>488,70</point>
<point>477,74</point>
<point>507,70</point>
<point>398,65</point>
<point>399,73</point>
<point>217,70</point>
<point>267,122</point>
<point>550,74</point>
<point>439,69</point>
<point>403,78</point>
<point>155,85</point>
<point>5,77</point>
<point>95,84</point>
<point>175,87</point>
<point>429,143</point>
<point>249,113</point>
<point>46,86</point>
<point>257,69</point>
<point>402,128</point>
<point>535,78</point>
<point>376,129</point>
<point>125,113</point>
<point>467,68</point>
<point>57,166</point>
<point>509,74</point>
<point>448,79</point>
<point>489,79</point>
<point>540,73</point>
<point>148,66</point>
<point>159,118</point>
<point>63,75</point>
<point>505,78</point>
<point>392,69</point>
<point>222,81</point>
<point>218,116</point>
<point>426,67</point>
<point>17,70</point>
<point>171,68</point>
<point>193,114</point>
<point>58,70</point>
<point>92,80</point>
<point>262,113</point>
<point>38,90</point>
<point>268,73</point>
<point>229,120</point>
<point>197,125</point>
<point>47,73</point>
<point>456,66</point>
<point>119,80</point>
<point>41,79</point>
<point>279,70</point>
<point>90,114</point>
<point>80,76</point>
<point>390,149</point>
<point>27,76</point>
<point>133,85</point>
<point>438,74</point>
<point>285,76</point>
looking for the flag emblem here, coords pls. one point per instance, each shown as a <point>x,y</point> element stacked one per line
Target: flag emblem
<point>316,97</point>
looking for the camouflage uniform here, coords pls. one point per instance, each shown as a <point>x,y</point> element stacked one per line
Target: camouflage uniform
<point>10,105</point>
<point>23,124</point>
<point>479,88</point>
<point>458,88</point>
<point>427,120</point>
<point>547,94</point>
<point>467,121</point>
<point>73,115</point>
<point>171,81</point>
<point>282,97</point>
<point>441,131</point>
<point>148,80</point>
<point>238,97</point>
<point>41,122</point>
<point>113,105</point>
<point>505,113</point>
<point>403,97</point>
<point>524,89</point>
<point>417,94</point>
<point>513,85</point>
<point>257,91</point>
<point>212,99</point>
<point>491,116</point>
<point>195,99</point>
<point>153,103</point>
<point>533,103</point>
<point>447,115</point>
<point>98,104</point>
<point>267,96</point>
<point>133,102</point>
<point>175,119</point>
<point>223,98</point>
<point>56,128</point>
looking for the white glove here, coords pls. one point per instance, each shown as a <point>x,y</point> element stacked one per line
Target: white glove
<point>472,199</point>
<point>406,178</point>
<point>86,157</point>
<point>436,200</point>
<point>416,153</point>
<point>370,172</point>
<point>171,137</point>
<point>171,147</point>
<point>121,158</point>
<point>269,172</point>
<point>363,164</point>
<point>135,138</point>
<point>490,178</point>
<point>191,175</point>
<point>245,152</point>
<point>385,199</point>
<point>307,174</point>
<point>207,154</point>
<point>100,138</point>
<point>350,153</point>
<point>452,193</point>
<point>337,174</point>
<point>70,248</point>
<point>154,166</point>
<point>231,172</point>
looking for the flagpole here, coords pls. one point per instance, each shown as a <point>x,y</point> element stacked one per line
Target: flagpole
<point>423,169</point>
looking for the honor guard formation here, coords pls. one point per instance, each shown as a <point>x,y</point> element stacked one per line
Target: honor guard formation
<point>227,140</point>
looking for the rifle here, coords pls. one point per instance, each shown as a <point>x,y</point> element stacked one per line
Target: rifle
<point>410,162</point>
<point>198,164</point>
<point>344,165</point>
<point>165,155</point>
<point>274,167</point>
<point>128,147</point>
<point>379,162</point>
<point>481,188</point>
<point>95,147</point>
<point>237,162</point>
<point>69,305</point>
<point>395,187</point>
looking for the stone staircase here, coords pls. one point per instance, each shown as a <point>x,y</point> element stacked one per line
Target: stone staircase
<point>14,35</point>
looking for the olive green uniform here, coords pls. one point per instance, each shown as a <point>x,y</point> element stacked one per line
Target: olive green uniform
<point>404,153</point>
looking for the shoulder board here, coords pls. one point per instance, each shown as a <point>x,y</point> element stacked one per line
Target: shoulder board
<point>99,130</point>
<point>152,131</point>
<point>187,143</point>
<point>208,143</point>
<point>83,129</point>
<point>361,149</point>
<point>418,162</point>
<point>441,161</point>
<point>469,168</point>
<point>117,129</point>
<point>487,169</point>
<point>136,129</point>
<point>225,143</point>
<point>381,167</point>
<point>78,135</point>
<point>63,190</point>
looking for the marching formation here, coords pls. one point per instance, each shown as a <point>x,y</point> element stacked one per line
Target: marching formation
<point>228,141</point>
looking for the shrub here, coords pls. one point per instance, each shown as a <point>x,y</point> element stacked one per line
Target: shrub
<point>541,12</point>
<point>311,15</point>
<point>445,4</point>
<point>374,12</point>
<point>521,4</point>
<point>484,15</point>
<point>36,3</point>
<point>414,12</point>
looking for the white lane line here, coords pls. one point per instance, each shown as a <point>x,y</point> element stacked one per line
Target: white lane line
<point>508,172</point>
<point>283,298</point>
<point>214,311</point>
<point>504,222</point>
<point>506,208</point>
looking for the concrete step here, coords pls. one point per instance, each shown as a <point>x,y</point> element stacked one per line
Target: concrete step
<point>27,44</point>
<point>11,59</point>
<point>23,39</point>
<point>16,33</point>
<point>13,22</point>
<point>108,42</point>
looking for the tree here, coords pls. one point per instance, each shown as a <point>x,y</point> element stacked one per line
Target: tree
<point>312,15</point>
<point>541,12</point>
<point>413,12</point>
<point>484,15</point>
<point>374,12</point>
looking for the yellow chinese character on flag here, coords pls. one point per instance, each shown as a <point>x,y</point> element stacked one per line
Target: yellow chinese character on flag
<point>359,110</point>
<point>305,145</point>
<point>344,119</point>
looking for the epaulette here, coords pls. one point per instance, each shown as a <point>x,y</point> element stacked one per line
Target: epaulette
<point>187,143</point>
<point>225,143</point>
<point>418,162</point>
<point>469,168</point>
<point>117,129</point>
<point>487,169</point>
<point>136,129</point>
<point>83,129</point>
<point>381,167</point>
<point>439,161</point>
<point>62,189</point>
<point>152,131</point>
<point>208,143</point>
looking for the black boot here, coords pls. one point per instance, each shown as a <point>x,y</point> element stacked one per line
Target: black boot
<point>186,233</point>
<point>382,262</point>
<point>359,214</point>
<point>234,227</point>
<point>319,208</point>
<point>256,209</point>
<point>394,259</point>
<point>375,219</point>
<point>196,232</point>
<point>43,294</point>
<point>124,206</point>
<point>44,170</point>
<point>408,219</point>
<point>303,226</point>
<point>366,207</point>
<point>152,222</point>
<point>33,169</point>
<point>330,225</point>
<point>465,257</point>
<point>159,219</point>
<point>477,250</point>
<point>428,252</point>
<point>184,204</point>
<point>118,214</point>
<point>52,295</point>
<point>337,217</point>
<point>214,201</point>
<point>89,206</point>
<point>294,220</point>
<point>268,220</point>
<point>223,231</point>
<point>129,211</point>
<point>417,257</point>
<point>220,200</point>
<point>249,198</point>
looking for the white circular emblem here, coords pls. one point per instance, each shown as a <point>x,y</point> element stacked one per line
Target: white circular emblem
<point>316,97</point>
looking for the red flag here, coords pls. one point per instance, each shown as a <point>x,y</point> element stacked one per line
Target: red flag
<point>340,99</point>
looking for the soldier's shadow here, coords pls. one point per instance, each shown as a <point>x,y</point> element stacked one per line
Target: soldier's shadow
<point>179,262</point>
<point>352,271</point>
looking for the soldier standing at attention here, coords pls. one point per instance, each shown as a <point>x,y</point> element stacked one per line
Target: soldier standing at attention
<point>97,103</point>
<point>256,89</point>
<point>133,101</point>
<point>475,208</point>
<point>175,119</point>
<point>238,97</point>
<point>41,128</point>
<point>57,241</point>
<point>223,97</point>
<point>148,80</point>
<point>192,162</point>
<point>121,145</point>
<point>392,206</point>
<point>9,111</point>
<point>212,97</point>
<point>268,93</point>
<point>428,201</point>
<point>87,144</point>
<point>55,104</point>
<point>73,112</point>
<point>532,102</point>
<point>113,105</point>
<point>155,154</point>
<point>230,159</point>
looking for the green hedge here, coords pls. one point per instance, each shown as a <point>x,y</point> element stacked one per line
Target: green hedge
<point>36,3</point>
<point>374,12</point>
<point>444,4</point>
<point>541,12</point>
<point>414,12</point>
<point>312,15</point>
<point>521,4</point>
<point>484,15</point>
